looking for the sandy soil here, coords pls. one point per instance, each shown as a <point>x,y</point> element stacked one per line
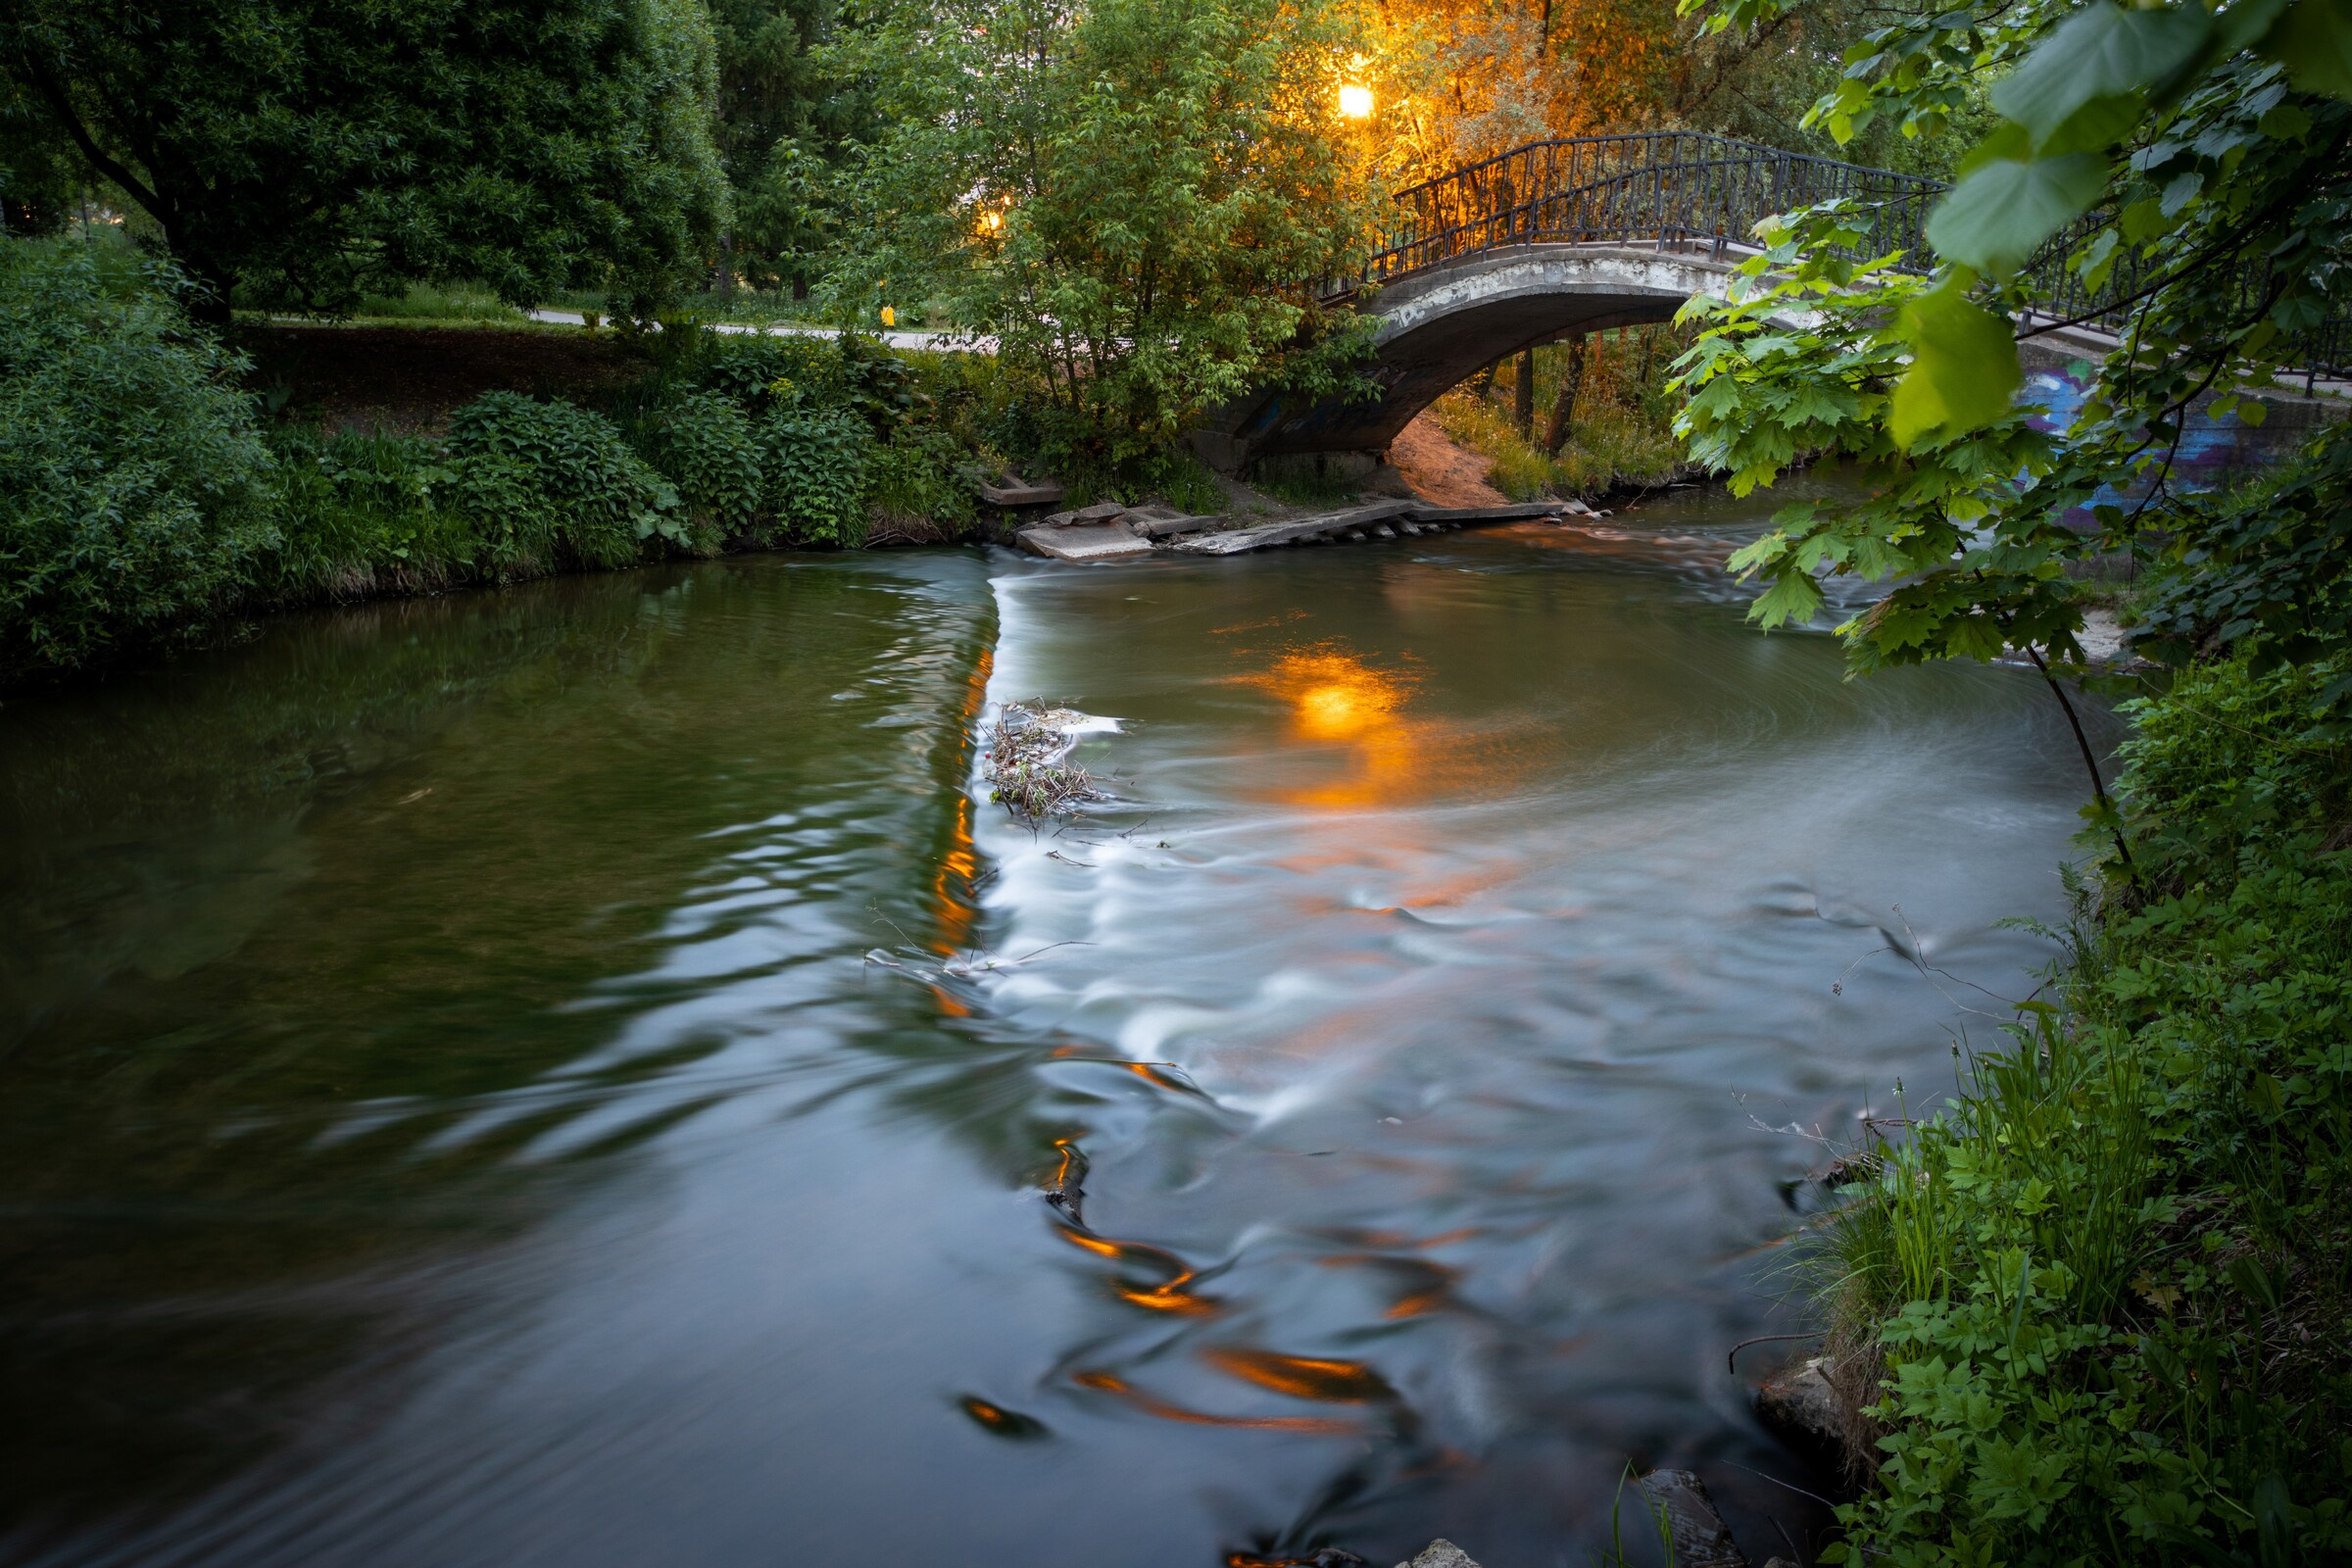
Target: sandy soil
<point>1440,472</point>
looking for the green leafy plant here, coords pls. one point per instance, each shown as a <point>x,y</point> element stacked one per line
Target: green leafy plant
<point>542,480</point>
<point>705,445</point>
<point>814,466</point>
<point>360,515</point>
<point>136,490</point>
<point>914,489</point>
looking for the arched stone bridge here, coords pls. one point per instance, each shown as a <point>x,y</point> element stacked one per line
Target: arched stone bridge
<point>1561,238</point>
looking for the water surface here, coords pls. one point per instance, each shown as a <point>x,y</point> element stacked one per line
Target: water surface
<point>568,1076</point>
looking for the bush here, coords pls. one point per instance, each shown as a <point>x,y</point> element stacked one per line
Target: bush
<point>543,481</point>
<point>705,445</point>
<point>134,490</point>
<point>745,367</point>
<point>912,488</point>
<point>814,466</point>
<point>362,515</point>
<point>2227,757</point>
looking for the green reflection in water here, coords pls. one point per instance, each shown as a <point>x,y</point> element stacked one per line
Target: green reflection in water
<point>323,955</point>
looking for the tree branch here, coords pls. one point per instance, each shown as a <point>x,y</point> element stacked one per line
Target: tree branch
<point>60,106</point>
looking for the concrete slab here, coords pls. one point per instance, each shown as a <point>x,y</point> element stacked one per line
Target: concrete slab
<point>1355,522</point>
<point>1079,543</point>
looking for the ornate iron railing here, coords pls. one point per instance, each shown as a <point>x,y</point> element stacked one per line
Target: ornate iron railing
<point>1671,187</point>
<point>1679,188</point>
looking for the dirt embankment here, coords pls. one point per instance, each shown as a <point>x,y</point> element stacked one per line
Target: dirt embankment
<point>1441,472</point>
<point>401,380</point>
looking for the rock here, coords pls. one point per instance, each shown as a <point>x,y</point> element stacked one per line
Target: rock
<point>1099,512</point>
<point>1440,1554</point>
<point>1384,532</point>
<point>1080,543</point>
<point>1700,1539</point>
<point>1580,508</point>
<point>1803,1399</point>
<point>1058,519</point>
<point>1159,522</point>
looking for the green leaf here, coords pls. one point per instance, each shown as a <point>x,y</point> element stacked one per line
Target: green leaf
<point>2101,51</point>
<point>1792,599</point>
<point>2313,40</point>
<point>1964,372</point>
<point>1996,218</point>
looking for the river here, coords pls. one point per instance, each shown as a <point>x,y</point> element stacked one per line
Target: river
<point>569,1075</point>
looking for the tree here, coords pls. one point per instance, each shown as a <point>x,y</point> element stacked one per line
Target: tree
<point>788,121</point>
<point>1139,199</point>
<point>306,150</point>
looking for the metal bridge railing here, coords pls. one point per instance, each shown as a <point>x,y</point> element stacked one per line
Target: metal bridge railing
<point>1677,188</point>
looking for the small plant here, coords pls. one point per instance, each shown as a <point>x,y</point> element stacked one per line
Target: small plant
<point>361,515</point>
<point>913,490</point>
<point>542,479</point>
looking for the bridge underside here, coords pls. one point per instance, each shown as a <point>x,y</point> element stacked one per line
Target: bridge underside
<point>1442,326</point>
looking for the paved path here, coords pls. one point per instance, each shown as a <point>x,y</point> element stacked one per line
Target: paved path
<point>943,342</point>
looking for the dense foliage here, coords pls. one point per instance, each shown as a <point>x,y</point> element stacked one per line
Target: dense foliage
<point>306,152</point>
<point>2223,197</point>
<point>143,494</point>
<point>134,487</point>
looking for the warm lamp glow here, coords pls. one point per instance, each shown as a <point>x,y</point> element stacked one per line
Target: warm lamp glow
<point>1355,103</point>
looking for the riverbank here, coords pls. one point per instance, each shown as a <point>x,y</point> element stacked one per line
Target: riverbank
<point>2092,1311</point>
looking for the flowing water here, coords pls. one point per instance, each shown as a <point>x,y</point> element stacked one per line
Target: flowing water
<point>569,1077</point>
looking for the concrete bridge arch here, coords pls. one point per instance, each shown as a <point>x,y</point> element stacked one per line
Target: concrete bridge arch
<point>1443,324</point>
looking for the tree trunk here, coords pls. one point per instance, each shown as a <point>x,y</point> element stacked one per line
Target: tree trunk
<point>207,302</point>
<point>1523,396</point>
<point>1563,407</point>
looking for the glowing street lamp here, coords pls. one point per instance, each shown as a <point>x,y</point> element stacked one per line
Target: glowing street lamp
<point>1355,103</point>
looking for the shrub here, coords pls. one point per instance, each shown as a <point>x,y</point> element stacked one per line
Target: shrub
<point>914,489</point>
<point>361,515</point>
<point>746,366</point>
<point>542,480</point>
<point>705,445</point>
<point>133,487</point>
<point>2227,757</point>
<point>814,466</point>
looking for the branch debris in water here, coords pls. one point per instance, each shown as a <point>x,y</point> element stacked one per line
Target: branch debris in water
<point>1027,767</point>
